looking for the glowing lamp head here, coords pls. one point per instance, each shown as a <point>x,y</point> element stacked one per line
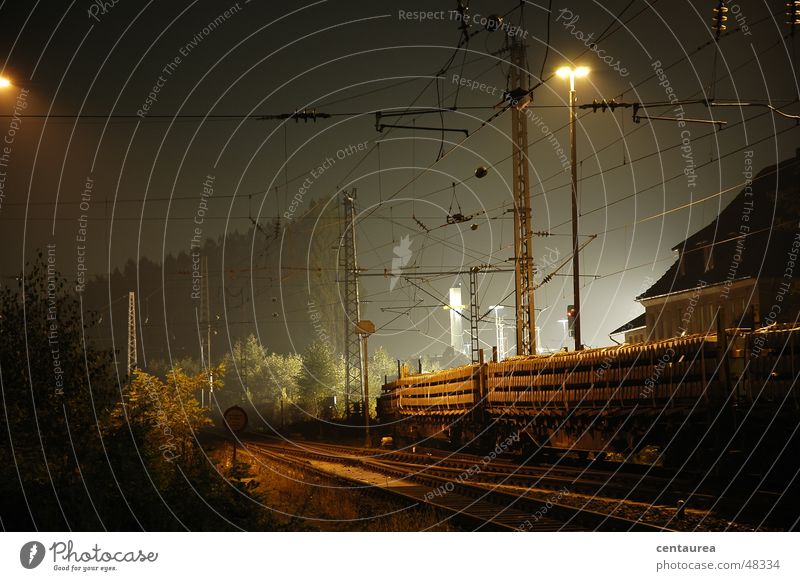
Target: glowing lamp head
<point>4,83</point>
<point>578,72</point>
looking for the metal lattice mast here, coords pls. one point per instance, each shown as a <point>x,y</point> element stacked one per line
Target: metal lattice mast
<point>132,358</point>
<point>353,389</point>
<point>473,313</point>
<point>524,283</point>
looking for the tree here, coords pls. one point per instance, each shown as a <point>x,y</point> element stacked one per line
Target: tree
<point>381,364</point>
<point>429,365</point>
<point>166,412</point>
<point>162,367</point>
<point>164,418</point>
<point>82,451</point>
<point>282,383</point>
<point>321,379</point>
<point>57,389</point>
<point>264,379</point>
<point>246,367</point>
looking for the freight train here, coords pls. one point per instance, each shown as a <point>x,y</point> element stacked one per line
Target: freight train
<point>687,399</point>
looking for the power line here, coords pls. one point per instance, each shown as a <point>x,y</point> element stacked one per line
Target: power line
<point>649,77</point>
<point>694,202</point>
<point>713,160</point>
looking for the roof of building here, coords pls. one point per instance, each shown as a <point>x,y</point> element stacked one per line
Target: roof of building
<point>635,323</point>
<point>749,238</point>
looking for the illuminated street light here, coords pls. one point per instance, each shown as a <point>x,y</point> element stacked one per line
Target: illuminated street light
<point>569,72</point>
<point>577,72</point>
<point>4,83</point>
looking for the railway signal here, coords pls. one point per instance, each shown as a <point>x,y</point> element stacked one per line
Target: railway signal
<point>235,419</point>
<point>572,314</point>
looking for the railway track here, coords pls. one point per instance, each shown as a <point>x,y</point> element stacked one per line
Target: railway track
<point>483,507</point>
<point>591,478</point>
<point>613,482</point>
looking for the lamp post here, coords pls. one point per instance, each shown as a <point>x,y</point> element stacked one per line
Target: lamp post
<point>572,73</point>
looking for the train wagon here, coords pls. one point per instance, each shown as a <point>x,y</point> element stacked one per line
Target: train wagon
<point>666,395</point>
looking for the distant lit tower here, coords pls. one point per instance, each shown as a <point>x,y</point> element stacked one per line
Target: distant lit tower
<point>456,325</point>
<point>132,358</point>
<point>523,256</point>
<point>348,267</point>
<point>500,332</point>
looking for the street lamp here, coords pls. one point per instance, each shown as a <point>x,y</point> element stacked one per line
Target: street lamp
<point>4,83</point>
<point>572,73</point>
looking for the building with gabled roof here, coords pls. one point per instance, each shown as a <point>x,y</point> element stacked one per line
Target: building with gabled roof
<point>743,266</point>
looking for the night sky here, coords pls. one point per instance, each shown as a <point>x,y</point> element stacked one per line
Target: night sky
<point>134,107</point>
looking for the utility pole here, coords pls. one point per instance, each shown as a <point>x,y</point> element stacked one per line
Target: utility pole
<point>523,258</point>
<point>132,358</point>
<point>348,264</point>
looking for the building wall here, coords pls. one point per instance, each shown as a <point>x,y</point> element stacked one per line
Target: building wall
<point>779,301</point>
<point>694,311</point>
<point>638,335</point>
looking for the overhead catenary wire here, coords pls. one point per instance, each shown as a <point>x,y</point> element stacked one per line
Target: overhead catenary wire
<point>508,106</point>
<point>286,184</point>
<point>248,195</point>
<point>688,204</point>
<point>638,192</point>
<point>558,173</point>
<point>681,207</point>
<point>300,176</point>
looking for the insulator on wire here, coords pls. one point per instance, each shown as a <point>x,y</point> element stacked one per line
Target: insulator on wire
<point>720,18</point>
<point>793,14</point>
<point>603,105</point>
